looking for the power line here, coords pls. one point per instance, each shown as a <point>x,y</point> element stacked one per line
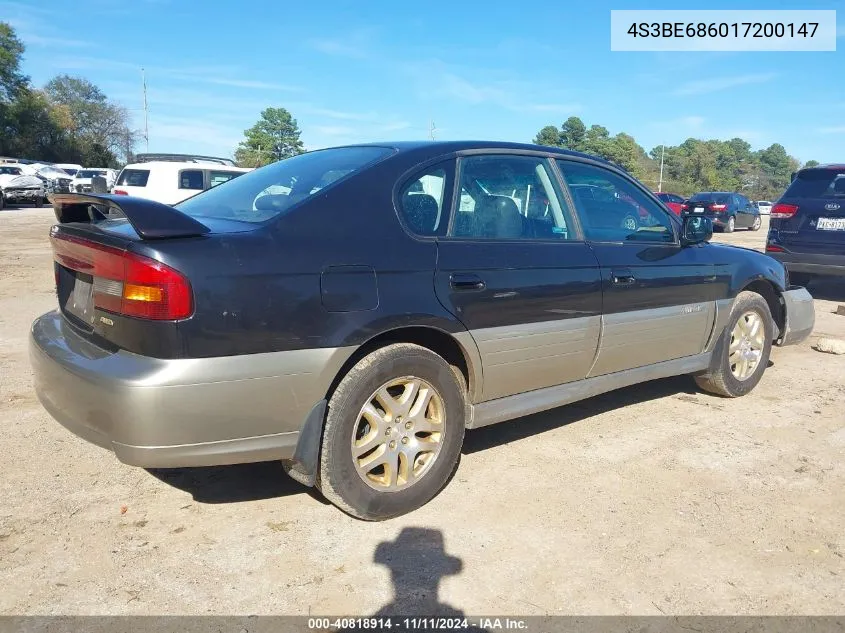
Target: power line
<point>146,116</point>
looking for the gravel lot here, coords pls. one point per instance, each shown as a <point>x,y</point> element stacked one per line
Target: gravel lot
<point>654,499</point>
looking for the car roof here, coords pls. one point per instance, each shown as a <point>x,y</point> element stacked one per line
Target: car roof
<point>445,147</point>
<point>175,165</point>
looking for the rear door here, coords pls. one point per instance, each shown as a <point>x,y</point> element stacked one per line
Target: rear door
<point>819,194</point>
<point>659,297</point>
<point>515,270</point>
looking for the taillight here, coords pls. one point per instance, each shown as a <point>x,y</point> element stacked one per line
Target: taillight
<point>784,211</point>
<point>127,283</point>
<point>684,207</point>
<point>120,192</point>
<point>772,248</point>
<point>718,208</point>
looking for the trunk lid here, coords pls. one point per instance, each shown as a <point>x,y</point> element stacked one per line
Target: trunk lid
<point>110,284</point>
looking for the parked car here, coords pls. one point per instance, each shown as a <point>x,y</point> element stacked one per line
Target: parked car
<point>81,182</point>
<point>764,207</point>
<point>171,182</point>
<point>727,210</point>
<point>807,231</point>
<point>342,312</point>
<point>18,187</point>
<point>69,168</point>
<point>671,200</point>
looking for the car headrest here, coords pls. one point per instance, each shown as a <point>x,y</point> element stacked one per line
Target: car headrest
<point>420,212</point>
<point>839,185</point>
<point>498,216</point>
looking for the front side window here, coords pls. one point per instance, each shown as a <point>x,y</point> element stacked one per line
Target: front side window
<point>421,201</point>
<point>613,209</point>
<point>262,194</point>
<point>510,197</point>
<point>191,179</point>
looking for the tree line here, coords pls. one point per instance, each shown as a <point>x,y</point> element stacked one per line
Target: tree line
<point>68,120</point>
<point>694,165</point>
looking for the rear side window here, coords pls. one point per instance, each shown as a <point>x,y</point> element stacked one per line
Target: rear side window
<point>265,193</point>
<point>191,179</point>
<point>134,177</point>
<point>422,199</point>
<point>818,183</point>
<point>219,177</point>
<point>506,197</point>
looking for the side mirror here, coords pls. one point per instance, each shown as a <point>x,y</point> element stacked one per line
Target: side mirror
<point>696,229</point>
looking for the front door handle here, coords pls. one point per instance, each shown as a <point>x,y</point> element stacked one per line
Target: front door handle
<point>622,277</point>
<point>466,281</point>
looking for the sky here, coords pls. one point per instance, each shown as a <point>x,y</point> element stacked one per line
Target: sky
<point>376,70</point>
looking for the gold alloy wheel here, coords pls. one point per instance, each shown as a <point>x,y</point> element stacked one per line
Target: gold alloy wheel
<point>398,434</point>
<point>747,343</point>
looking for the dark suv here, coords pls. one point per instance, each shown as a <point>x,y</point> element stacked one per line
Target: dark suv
<point>727,210</point>
<point>351,311</point>
<point>807,232</point>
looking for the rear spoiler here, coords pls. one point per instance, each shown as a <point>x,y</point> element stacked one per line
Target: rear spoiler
<point>151,220</point>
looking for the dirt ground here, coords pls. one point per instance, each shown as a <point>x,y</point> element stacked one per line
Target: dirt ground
<point>654,499</point>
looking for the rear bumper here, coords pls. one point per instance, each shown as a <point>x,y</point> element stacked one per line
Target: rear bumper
<point>800,316</point>
<point>160,413</point>
<point>812,263</point>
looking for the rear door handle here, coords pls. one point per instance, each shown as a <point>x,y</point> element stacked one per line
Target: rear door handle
<point>466,281</point>
<point>623,277</point>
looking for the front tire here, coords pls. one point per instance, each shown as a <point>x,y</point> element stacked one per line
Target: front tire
<point>742,352</point>
<point>393,433</point>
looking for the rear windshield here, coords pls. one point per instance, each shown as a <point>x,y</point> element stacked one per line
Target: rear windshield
<point>817,183</point>
<point>718,198</point>
<point>90,173</point>
<point>134,177</point>
<point>270,191</point>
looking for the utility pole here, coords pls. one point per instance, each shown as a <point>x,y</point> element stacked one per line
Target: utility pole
<point>431,129</point>
<point>660,182</point>
<point>146,118</point>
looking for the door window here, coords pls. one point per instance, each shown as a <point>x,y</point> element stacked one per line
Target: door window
<point>512,198</point>
<point>613,209</point>
<point>191,179</point>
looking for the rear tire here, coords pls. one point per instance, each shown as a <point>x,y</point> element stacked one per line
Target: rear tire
<point>416,434</point>
<point>758,222</point>
<point>39,203</point>
<point>2,201</point>
<point>729,227</point>
<point>736,347</point>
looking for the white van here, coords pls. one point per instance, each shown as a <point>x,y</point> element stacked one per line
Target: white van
<point>170,182</point>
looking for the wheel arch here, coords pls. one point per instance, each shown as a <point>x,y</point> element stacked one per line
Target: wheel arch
<point>771,294</point>
<point>458,349</point>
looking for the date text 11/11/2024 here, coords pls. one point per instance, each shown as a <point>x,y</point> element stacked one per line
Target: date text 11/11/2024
<point>420,623</point>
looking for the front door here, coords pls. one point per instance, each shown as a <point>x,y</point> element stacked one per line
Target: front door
<point>659,301</point>
<point>516,272</point>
